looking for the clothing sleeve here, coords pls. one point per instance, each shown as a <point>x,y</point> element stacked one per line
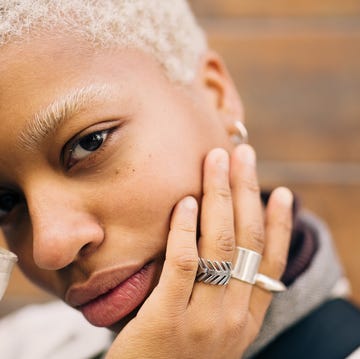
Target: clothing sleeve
<point>313,287</point>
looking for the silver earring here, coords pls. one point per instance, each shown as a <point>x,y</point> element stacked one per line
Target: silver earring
<point>241,136</point>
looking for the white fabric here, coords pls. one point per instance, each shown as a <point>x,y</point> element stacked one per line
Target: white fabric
<point>50,331</point>
<point>355,354</point>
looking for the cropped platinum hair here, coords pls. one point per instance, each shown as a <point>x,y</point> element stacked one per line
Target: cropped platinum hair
<point>166,29</point>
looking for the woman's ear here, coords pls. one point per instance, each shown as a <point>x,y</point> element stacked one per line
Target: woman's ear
<point>220,91</point>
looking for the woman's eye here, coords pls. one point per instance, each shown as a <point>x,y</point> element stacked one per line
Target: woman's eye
<point>86,145</point>
<point>8,201</point>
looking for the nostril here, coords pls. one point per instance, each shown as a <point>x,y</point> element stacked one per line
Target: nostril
<point>87,249</point>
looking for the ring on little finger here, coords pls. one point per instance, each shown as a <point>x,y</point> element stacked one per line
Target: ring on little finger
<point>246,270</point>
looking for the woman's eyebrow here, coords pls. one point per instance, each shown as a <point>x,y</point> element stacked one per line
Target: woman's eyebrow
<point>49,119</point>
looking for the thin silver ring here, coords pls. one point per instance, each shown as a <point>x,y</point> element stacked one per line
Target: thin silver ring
<point>213,272</point>
<point>270,284</point>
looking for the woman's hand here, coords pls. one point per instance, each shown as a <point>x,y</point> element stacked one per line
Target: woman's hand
<point>187,319</point>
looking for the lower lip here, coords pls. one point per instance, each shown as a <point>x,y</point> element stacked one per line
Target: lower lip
<point>114,305</point>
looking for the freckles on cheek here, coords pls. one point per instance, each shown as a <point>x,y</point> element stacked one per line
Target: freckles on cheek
<point>143,192</point>
<point>118,171</point>
<point>133,198</point>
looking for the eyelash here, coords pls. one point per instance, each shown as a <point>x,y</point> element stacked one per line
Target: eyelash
<point>70,147</point>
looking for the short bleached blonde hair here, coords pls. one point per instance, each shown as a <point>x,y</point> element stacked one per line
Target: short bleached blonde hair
<point>166,29</point>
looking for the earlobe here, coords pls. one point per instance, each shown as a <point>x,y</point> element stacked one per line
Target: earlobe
<point>222,94</point>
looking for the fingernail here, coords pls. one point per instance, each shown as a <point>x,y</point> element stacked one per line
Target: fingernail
<point>286,195</point>
<point>189,203</point>
<point>247,154</point>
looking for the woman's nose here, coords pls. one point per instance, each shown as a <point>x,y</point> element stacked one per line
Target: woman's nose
<point>63,230</point>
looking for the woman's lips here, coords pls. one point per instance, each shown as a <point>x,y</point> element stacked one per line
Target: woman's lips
<point>107,297</point>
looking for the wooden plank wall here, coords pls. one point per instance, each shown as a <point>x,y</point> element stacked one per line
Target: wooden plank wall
<point>297,67</point>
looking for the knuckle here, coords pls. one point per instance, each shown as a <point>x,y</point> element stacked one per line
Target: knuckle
<point>279,266</point>
<point>250,185</point>
<point>186,262</point>
<point>238,323</point>
<point>284,224</point>
<point>223,192</point>
<point>225,240</point>
<point>254,235</point>
<point>203,329</point>
<point>185,226</point>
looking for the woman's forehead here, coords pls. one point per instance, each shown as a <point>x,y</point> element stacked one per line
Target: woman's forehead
<point>41,68</point>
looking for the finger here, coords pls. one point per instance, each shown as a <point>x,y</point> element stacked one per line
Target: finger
<point>217,240</point>
<point>217,221</point>
<point>249,225</point>
<point>181,262</point>
<point>278,225</point>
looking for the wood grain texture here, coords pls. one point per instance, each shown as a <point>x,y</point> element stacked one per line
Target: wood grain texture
<point>275,8</point>
<point>300,85</point>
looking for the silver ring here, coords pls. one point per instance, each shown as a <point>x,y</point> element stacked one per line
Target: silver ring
<point>246,265</point>
<point>213,272</point>
<point>267,283</point>
<point>246,270</point>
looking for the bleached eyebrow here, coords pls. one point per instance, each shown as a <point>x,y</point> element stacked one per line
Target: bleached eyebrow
<point>48,120</point>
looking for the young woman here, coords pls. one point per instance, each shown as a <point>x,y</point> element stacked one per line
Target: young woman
<point>118,171</point>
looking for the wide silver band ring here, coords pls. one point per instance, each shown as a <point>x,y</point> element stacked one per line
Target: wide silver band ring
<point>246,268</point>
<point>246,265</point>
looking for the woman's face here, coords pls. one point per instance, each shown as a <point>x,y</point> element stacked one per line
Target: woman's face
<point>96,148</point>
